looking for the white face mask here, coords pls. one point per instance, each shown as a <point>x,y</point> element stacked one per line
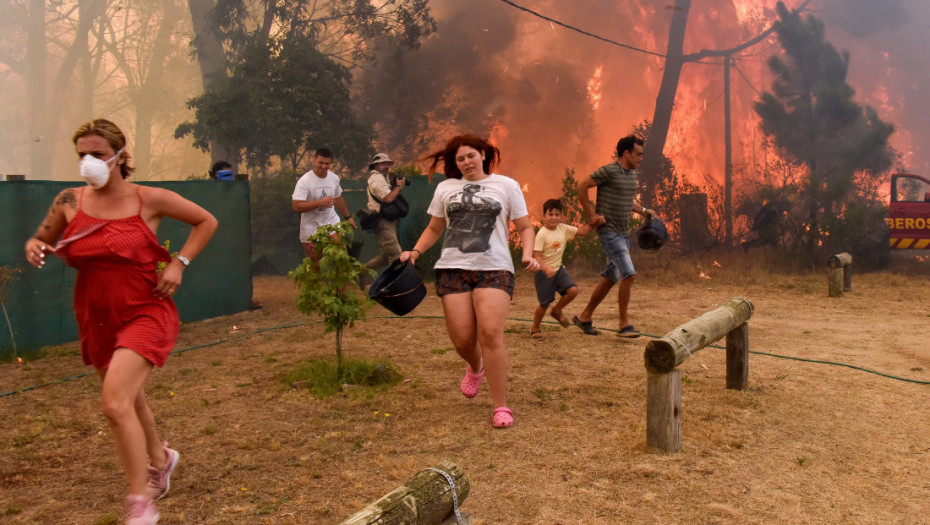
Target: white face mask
<point>95,171</point>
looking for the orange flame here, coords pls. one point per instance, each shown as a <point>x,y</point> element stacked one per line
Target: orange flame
<point>703,275</point>
<point>717,265</point>
<point>594,88</point>
<point>19,360</point>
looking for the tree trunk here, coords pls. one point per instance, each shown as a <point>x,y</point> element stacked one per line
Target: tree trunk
<point>212,61</point>
<point>339,368</point>
<point>150,87</point>
<point>41,139</point>
<point>665,101</point>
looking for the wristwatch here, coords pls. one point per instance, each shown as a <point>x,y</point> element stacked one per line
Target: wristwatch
<point>184,260</point>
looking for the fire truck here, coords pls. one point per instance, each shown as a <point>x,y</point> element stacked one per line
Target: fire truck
<point>909,212</point>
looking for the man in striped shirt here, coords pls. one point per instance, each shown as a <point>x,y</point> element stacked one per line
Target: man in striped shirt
<point>617,184</point>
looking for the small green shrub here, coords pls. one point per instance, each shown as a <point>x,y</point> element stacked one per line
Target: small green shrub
<point>324,379</point>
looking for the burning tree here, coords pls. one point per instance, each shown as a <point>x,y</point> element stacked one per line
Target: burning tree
<point>812,120</point>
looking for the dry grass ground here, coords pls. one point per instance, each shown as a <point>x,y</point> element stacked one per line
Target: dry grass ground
<point>807,443</point>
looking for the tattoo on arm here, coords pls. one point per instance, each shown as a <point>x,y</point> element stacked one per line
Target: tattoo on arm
<point>65,198</point>
<point>68,198</point>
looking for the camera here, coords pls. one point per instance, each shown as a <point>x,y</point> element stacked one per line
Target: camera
<point>395,178</point>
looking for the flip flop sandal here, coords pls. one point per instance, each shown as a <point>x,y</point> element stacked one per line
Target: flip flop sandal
<point>538,335</point>
<point>586,326</point>
<point>471,383</point>
<point>502,417</point>
<point>628,331</point>
<point>561,319</point>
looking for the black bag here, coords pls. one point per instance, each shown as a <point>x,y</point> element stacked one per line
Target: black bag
<point>367,219</point>
<point>396,209</point>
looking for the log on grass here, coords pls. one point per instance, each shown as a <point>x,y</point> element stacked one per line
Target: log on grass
<point>664,354</point>
<point>424,500</point>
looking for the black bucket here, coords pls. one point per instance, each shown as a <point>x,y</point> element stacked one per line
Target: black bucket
<point>652,235</point>
<point>399,288</point>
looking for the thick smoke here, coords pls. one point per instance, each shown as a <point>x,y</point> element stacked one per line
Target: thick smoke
<point>495,70</point>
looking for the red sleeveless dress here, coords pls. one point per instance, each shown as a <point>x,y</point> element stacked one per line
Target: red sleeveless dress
<point>113,297</point>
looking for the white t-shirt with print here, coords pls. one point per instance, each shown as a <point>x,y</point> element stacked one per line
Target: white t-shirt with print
<point>478,215</point>
<point>311,188</point>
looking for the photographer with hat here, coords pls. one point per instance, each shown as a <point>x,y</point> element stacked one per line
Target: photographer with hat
<point>383,189</point>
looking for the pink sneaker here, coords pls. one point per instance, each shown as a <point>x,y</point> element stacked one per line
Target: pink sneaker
<point>160,479</point>
<point>141,510</point>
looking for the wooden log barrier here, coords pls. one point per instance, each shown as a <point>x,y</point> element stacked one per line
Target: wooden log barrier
<point>738,358</point>
<point>664,354</point>
<point>663,413</point>
<point>427,499</point>
<point>840,276</point>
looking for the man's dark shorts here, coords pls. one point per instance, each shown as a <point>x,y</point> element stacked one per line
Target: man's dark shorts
<point>453,280</point>
<point>546,287</point>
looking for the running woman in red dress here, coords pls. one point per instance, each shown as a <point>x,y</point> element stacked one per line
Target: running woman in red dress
<point>126,318</point>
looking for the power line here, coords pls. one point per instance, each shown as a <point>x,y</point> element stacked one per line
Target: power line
<point>582,31</point>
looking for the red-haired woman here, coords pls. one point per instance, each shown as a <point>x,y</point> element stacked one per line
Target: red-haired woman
<point>474,274</point>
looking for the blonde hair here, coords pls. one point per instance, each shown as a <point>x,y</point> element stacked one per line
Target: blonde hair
<point>113,135</point>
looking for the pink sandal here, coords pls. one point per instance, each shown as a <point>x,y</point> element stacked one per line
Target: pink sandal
<point>502,417</point>
<point>471,383</point>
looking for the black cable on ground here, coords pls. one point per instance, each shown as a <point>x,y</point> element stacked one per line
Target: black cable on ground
<point>294,325</point>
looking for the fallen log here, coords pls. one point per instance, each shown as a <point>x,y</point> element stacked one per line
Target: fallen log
<point>427,499</point>
<point>664,354</point>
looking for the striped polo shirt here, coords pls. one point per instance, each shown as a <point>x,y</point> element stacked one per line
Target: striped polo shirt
<point>616,188</point>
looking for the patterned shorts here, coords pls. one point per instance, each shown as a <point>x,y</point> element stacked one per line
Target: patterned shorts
<point>453,280</point>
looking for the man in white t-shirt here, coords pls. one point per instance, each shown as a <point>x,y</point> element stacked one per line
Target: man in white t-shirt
<point>317,198</point>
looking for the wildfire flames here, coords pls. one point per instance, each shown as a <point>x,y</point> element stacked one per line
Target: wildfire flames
<point>594,88</point>
<point>557,99</point>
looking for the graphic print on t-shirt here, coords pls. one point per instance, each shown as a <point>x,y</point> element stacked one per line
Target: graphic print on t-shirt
<point>320,194</point>
<point>471,220</point>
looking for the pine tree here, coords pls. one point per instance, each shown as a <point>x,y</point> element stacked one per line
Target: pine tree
<point>810,117</point>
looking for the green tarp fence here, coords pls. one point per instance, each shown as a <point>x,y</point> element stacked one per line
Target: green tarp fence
<point>39,302</point>
<point>276,245</point>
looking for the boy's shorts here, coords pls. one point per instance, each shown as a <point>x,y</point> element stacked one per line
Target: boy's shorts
<point>547,286</point>
<point>454,280</point>
<point>617,249</point>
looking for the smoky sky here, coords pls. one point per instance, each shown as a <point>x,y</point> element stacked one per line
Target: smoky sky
<point>494,70</point>
<point>863,18</point>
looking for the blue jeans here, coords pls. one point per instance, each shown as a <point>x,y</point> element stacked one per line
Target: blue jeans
<point>617,249</point>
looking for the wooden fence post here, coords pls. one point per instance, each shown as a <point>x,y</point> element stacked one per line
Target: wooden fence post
<point>663,355</point>
<point>663,412</point>
<point>738,358</point>
<point>840,274</point>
